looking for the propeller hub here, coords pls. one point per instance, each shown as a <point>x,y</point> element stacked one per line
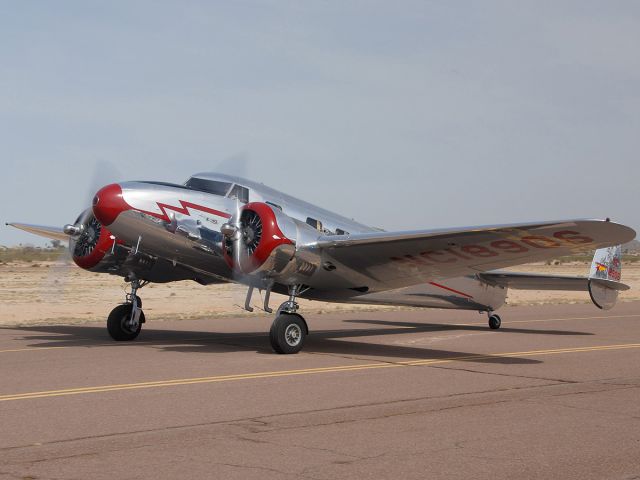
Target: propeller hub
<point>72,230</point>
<point>228,230</point>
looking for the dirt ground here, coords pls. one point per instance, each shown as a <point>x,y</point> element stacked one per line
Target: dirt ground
<point>37,293</point>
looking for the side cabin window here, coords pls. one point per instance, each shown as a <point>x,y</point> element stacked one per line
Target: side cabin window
<point>239,192</point>
<point>339,231</point>
<point>208,186</point>
<point>317,224</point>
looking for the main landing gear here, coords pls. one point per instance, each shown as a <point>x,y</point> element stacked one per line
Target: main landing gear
<point>125,321</point>
<point>289,329</point>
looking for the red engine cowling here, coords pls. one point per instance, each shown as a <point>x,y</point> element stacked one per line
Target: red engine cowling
<point>93,242</point>
<point>261,238</point>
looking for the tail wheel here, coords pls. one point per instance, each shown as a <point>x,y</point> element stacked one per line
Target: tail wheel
<point>288,333</point>
<point>494,322</point>
<point>119,323</point>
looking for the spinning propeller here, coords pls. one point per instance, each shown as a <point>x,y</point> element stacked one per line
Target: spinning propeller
<point>242,236</point>
<point>87,231</point>
<point>83,234</point>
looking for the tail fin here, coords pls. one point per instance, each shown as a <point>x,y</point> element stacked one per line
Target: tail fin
<point>605,276</point>
<point>607,264</point>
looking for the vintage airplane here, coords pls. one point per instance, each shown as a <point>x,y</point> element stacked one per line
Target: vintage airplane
<point>218,228</point>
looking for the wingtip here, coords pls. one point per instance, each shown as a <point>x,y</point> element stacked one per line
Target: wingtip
<point>630,231</point>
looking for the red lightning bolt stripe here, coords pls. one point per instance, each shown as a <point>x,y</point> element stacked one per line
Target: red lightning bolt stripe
<point>183,210</point>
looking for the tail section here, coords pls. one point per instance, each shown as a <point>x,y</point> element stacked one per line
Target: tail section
<point>607,264</point>
<point>605,277</point>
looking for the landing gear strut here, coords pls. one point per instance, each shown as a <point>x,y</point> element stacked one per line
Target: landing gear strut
<point>289,329</point>
<point>125,321</point>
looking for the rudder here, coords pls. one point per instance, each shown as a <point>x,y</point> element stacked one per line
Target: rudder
<point>605,277</point>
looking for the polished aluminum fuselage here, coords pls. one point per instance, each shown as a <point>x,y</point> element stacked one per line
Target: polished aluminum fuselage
<point>178,231</point>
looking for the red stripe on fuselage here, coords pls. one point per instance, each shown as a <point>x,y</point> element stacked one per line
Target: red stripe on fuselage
<point>450,289</point>
<point>184,210</point>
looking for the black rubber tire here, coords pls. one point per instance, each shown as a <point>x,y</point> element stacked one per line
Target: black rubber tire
<point>286,326</point>
<point>494,322</point>
<point>115,323</point>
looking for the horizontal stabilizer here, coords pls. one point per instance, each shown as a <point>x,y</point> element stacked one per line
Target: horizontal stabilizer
<point>611,284</point>
<point>603,282</point>
<point>536,281</point>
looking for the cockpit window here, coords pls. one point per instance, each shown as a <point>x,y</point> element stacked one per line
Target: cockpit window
<point>317,224</point>
<point>208,186</point>
<point>239,192</point>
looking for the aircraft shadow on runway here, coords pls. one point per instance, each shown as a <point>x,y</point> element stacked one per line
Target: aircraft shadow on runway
<point>336,342</point>
<point>477,328</point>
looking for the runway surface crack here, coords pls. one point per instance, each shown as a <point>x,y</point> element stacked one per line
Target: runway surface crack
<point>510,375</point>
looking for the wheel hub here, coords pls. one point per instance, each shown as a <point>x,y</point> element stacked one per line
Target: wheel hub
<point>293,335</point>
<point>129,323</point>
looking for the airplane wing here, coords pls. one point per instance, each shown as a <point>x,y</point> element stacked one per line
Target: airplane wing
<point>54,233</point>
<point>397,259</point>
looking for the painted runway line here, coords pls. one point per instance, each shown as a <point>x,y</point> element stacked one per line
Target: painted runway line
<point>306,371</point>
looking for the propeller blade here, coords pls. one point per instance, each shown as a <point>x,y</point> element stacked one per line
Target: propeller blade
<point>77,228</point>
<point>104,173</point>
<point>53,288</point>
<point>237,165</point>
<point>239,246</point>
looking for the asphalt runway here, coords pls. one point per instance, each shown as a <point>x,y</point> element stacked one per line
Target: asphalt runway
<point>409,394</point>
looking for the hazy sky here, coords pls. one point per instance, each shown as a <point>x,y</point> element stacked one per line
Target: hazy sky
<point>402,115</point>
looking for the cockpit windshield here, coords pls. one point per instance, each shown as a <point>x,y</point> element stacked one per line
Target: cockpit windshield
<point>209,186</point>
<point>239,192</point>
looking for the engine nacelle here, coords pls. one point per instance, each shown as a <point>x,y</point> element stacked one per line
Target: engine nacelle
<point>93,242</point>
<point>267,239</point>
